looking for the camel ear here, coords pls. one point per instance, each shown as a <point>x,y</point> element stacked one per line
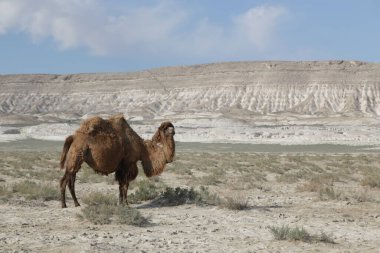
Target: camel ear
<point>165,125</point>
<point>162,127</point>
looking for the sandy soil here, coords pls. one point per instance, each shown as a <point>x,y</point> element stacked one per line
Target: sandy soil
<point>42,226</point>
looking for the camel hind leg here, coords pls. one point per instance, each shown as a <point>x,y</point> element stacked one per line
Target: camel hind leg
<point>72,188</point>
<point>63,184</point>
<point>72,167</point>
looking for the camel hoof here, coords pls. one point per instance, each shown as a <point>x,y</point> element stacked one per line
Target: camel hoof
<point>64,206</point>
<point>123,204</point>
<point>77,204</point>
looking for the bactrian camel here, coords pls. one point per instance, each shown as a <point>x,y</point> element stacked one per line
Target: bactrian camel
<point>111,145</point>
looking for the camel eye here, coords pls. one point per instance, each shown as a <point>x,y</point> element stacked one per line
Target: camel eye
<point>170,130</point>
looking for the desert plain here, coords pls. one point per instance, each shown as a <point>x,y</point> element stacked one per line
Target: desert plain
<point>240,202</point>
<point>271,157</point>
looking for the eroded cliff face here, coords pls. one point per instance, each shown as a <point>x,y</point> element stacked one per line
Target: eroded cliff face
<point>209,96</point>
<point>305,88</point>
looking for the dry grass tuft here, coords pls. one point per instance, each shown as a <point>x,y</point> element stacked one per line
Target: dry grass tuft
<point>236,203</point>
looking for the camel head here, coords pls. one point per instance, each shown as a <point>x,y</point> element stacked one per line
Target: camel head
<point>165,138</point>
<point>167,129</point>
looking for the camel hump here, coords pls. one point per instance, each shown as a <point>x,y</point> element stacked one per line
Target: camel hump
<point>96,125</point>
<point>118,121</point>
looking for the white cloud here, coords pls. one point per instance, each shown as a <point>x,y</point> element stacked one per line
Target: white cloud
<point>259,24</point>
<point>164,28</point>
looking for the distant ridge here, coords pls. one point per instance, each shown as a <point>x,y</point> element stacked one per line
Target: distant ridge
<point>236,89</point>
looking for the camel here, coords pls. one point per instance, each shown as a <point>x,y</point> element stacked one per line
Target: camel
<point>111,145</point>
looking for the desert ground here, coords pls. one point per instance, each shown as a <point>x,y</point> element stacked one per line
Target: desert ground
<point>203,202</point>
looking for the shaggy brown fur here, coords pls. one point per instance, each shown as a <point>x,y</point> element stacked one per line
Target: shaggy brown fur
<point>113,146</point>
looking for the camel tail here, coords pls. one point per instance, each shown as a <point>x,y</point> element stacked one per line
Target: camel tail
<point>66,148</point>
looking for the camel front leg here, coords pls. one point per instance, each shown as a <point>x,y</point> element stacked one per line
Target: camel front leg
<point>125,191</point>
<point>120,177</point>
<point>131,175</point>
<point>124,175</point>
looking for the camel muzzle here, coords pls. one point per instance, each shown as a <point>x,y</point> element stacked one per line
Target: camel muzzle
<point>171,131</point>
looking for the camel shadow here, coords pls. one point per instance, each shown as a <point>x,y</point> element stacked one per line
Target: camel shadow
<point>162,202</point>
<point>267,208</point>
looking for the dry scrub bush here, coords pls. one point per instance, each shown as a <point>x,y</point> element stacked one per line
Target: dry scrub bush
<point>236,203</point>
<point>180,196</point>
<point>103,209</point>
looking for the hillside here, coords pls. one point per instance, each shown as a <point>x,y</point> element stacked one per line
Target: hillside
<point>239,95</point>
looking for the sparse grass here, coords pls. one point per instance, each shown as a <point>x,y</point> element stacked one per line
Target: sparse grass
<point>103,209</point>
<point>299,234</point>
<point>291,177</point>
<point>362,196</point>
<point>212,179</point>
<point>328,193</point>
<point>33,190</point>
<point>4,193</point>
<point>316,183</point>
<point>371,180</point>
<point>37,165</point>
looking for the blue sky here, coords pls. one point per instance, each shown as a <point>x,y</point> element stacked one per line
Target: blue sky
<point>82,36</point>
